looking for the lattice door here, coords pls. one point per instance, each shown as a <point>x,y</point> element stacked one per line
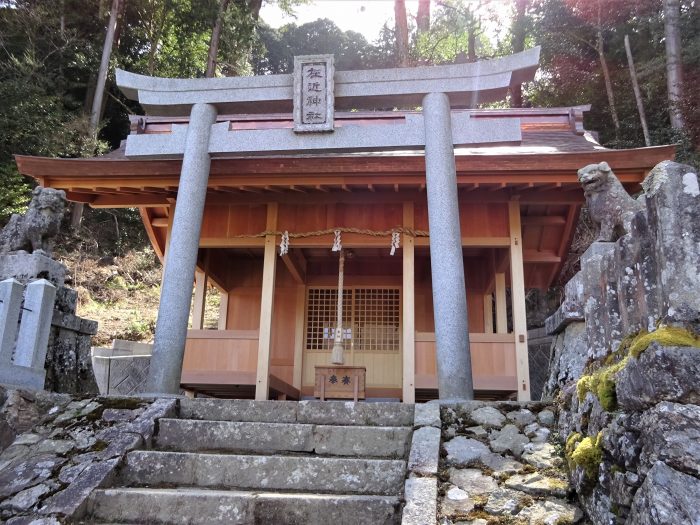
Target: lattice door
<point>371,319</point>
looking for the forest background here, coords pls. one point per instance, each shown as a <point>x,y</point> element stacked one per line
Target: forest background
<point>52,102</point>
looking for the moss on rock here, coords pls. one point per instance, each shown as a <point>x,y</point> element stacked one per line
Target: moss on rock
<point>588,455</point>
<point>601,382</point>
<point>664,335</point>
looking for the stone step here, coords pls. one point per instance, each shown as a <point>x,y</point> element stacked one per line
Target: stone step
<point>308,412</point>
<point>287,473</point>
<point>191,435</point>
<point>202,506</point>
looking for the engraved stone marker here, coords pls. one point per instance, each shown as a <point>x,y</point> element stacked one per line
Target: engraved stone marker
<point>313,93</point>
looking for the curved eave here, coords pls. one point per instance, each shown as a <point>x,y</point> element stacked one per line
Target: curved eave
<point>58,170</point>
<point>545,183</point>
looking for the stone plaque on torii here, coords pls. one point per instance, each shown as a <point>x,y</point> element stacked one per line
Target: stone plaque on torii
<point>436,129</point>
<point>313,93</point>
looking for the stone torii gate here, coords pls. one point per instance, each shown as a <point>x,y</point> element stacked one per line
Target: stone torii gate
<point>313,92</point>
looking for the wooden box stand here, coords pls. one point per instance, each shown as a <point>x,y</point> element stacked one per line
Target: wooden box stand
<point>340,382</point>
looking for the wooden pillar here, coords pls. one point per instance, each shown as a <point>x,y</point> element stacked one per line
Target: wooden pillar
<point>200,300</point>
<point>299,336</point>
<point>262,383</point>
<point>168,231</point>
<point>223,311</point>
<point>408,309</point>
<point>517,278</point>
<point>488,313</point>
<point>501,308</point>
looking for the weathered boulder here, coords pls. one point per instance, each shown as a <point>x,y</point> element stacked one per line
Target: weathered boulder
<point>504,501</point>
<point>660,374</point>
<point>456,501</point>
<point>601,309</point>
<point>537,484</point>
<point>546,417</point>
<point>509,438</point>
<point>472,481</point>
<point>621,440</point>
<point>488,417</point>
<point>463,451</point>
<point>673,209</point>
<point>571,309</point>
<point>541,455</point>
<point>22,409</point>
<point>500,465</point>
<point>667,497</point>
<point>521,417</point>
<point>672,435</point>
<point>550,511</point>
<point>568,358</point>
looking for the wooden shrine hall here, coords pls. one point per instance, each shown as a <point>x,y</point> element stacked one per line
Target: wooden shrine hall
<point>518,204</point>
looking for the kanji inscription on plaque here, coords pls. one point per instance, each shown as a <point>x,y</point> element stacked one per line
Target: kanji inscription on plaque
<point>313,93</point>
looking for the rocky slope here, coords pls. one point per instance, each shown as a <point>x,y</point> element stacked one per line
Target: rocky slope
<point>499,466</point>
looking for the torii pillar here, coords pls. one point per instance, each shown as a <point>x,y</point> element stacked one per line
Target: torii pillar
<point>454,367</point>
<point>176,294</point>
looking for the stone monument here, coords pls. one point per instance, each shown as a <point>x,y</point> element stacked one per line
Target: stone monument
<point>43,344</point>
<point>36,230</point>
<point>609,205</point>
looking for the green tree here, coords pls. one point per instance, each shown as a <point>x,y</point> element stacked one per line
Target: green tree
<point>456,34</point>
<point>279,46</point>
<point>45,51</point>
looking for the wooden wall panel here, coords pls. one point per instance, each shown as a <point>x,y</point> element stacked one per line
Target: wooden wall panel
<point>302,218</point>
<point>483,220</point>
<point>420,215</point>
<point>283,372</point>
<point>283,327</point>
<point>475,272</point>
<point>369,216</point>
<point>221,354</point>
<point>383,370</point>
<point>215,221</point>
<point>249,219</point>
<point>475,311</point>
<point>244,308</point>
<point>493,361</point>
<point>476,219</point>
<point>244,271</point>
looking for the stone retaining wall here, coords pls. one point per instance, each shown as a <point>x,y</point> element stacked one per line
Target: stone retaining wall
<point>61,448</point>
<point>68,366</point>
<point>625,363</point>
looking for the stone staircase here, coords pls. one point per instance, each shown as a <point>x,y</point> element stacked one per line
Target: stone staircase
<point>266,462</point>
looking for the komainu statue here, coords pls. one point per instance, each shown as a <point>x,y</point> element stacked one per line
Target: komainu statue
<point>36,230</point>
<point>609,205</point>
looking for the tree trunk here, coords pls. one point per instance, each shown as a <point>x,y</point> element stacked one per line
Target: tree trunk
<point>215,38</point>
<point>401,32</point>
<point>96,111</point>
<point>519,34</point>
<point>637,92</point>
<point>423,16</point>
<point>471,43</point>
<point>608,82</point>
<point>254,8</point>
<point>674,64</point>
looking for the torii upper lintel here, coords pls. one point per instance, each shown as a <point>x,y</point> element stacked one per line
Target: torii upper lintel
<point>466,85</point>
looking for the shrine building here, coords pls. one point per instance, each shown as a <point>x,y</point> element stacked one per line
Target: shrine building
<point>443,217</point>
